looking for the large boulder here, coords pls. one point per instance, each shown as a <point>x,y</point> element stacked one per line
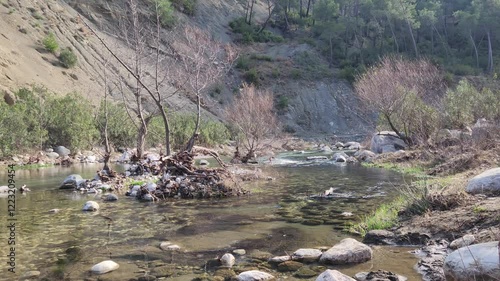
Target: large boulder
<point>62,151</point>
<point>254,275</point>
<point>466,240</point>
<point>72,182</point>
<point>475,262</point>
<point>333,275</point>
<point>340,157</point>
<point>306,255</point>
<point>346,252</point>
<point>104,267</point>
<point>386,141</point>
<point>487,182</point>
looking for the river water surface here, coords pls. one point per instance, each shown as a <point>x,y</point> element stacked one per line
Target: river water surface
<point>278,217</point>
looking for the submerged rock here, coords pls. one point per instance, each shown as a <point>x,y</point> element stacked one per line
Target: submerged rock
<point>90,206</point>
<point>379,275</point>
<point>475,262</point>
<point>104,267</point>
<point>289,266</point>
<point>254,275</point>
<point>487,182</point>
<point>280,259</point>
<point>333,275</point>
<point>111,197</point>
<point>347,251</point>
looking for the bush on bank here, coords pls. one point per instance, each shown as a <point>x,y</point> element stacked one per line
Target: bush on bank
<point>40,119</point>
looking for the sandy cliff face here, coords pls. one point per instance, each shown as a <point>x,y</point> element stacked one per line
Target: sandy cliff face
<point>316,105</point>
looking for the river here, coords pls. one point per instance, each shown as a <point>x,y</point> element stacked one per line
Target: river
<point>277,217</point>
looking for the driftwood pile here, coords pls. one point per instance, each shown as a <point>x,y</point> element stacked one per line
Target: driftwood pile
<point>180,178</point>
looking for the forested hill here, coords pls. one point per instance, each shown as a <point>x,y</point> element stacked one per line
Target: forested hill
<point>462,35</point>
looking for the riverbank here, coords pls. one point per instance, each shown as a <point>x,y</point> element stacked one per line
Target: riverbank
<point>435,209</point>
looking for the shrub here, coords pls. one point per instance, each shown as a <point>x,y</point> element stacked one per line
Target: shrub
<point>243,62</point>
<point>121,131</point>
<point>166,13</point>
<point>283,102</point>
<point>71,121</point>
<point>182,127</point>
<point>68,58</point>
<point>252,76</point>
<point>187,7</point>
<point>50,43</point>
<point>251,33</point>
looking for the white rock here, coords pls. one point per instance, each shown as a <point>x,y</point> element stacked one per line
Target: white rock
<point>91,159</point>
<point>317,158</point>
<point>333,275</point>
<point>90,206</point>
<point>204,162</point>
<point>239,252</point>
<point>227,260</point>
<point>148,197</point>
<point>486,182</point>
<point>4,189</point>
<point>306,255</point>
<point>54,210</point>
<point>173,248</point>
<point>280,259</point>
<point>254,275</point>
<point>466,240</point>
<point>340,157</point>
<point>347,251</point>
<point>475,262</point>
<point>104,267</point>
<point>164,245</point>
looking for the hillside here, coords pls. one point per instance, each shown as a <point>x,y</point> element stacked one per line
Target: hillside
<point>310,103</point>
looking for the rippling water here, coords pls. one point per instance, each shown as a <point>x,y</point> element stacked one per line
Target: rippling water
<point>278,217</point>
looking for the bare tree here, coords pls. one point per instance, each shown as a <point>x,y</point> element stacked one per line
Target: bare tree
<point>202,62</point>
<point>401,90</point>
<point>253,116</point>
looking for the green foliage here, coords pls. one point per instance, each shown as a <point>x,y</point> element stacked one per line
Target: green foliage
<point>22,125</point>
<point>39,119</point>
<point>121,131</point>
<point>165,12</point>
<point>70,121</point>
<point>261,57</point>
<point>348,73</point>
<point>243,62</point>
<point>182,127</point>
<point>310,65</point>
<point>466,104</point>
<point>68,58</point>
<point>187,7</point>
<point>384,217</point>
<point>250,33</point>
<point>252,76</point>
<point>50,43</point>
<point>283,102</point>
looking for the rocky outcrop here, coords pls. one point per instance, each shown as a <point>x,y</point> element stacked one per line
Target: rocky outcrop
<point>62,151</point>
<point>346,252</point>
<point>487,182</point>
<point>380,237</point>
<point>333,275</point>
<point>104,267</point>
<point>475,262</point>
<point>386,141</point>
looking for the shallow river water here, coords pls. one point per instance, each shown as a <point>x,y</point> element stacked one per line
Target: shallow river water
<point>278,217</point>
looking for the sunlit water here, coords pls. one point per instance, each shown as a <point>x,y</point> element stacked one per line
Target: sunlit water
<point>278,217</point>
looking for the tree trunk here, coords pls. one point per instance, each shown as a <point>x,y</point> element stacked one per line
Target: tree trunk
<point>412,38</point>
<point>166,124</point>
<point>195,135</point>
<point>490,53</point>
<point>308,7</point>
<point>406,139</point>
<point>475,49</point>
<point>107,148</point>
<point>393,34</point>
<point>300,9</point>
<point>251,12</point>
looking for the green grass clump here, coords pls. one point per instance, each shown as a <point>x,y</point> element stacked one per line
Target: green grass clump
<point>384,217</point>
<point>50,43</point>
<point>33,166</point>
<point>68,58</point>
